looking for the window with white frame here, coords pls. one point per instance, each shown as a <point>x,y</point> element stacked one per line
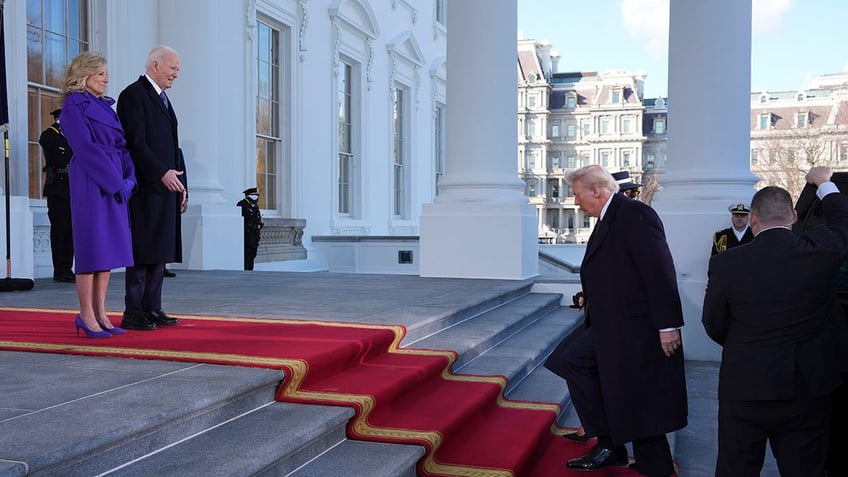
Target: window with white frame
<point>571,162</point>
<point>531,101</point>
<point>585,160</point>
<point>531,128</point>
<point>441,12</point>
<point>659,126</point>
<point>605,158</point>
<point>555,129</point>
<point>344,98</point>
<point>649,160</point>
<point>765,122</point>
<point>555,159</point>
<point>755,156</point>
<point>625,159</point>
<point>571,101</point>
<point>571,130</point>
<point>269,140</point>
<point>439,143</point>
<point>57,31</point>
<point>616,96</point>
<point>606,126</point>
<point>801,120</point>
<point>531,188</point>
<point>586,127</point>
<point>400,107</point>
<point>626,125</point>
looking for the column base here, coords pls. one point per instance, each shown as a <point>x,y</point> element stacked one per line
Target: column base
<point>213,238</point>
<point>479,240</point>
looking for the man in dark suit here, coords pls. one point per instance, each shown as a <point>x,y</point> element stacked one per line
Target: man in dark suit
<point>738,234</point>
<point>150,126</point>
<point>57,158</point>
<point>625,372</point>
<point>772,306</point>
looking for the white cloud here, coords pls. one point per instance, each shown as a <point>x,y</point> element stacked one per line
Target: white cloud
<point>767,14</point>
<point>648,19</point>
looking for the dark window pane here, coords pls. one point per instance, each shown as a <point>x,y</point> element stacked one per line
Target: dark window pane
<point>54,59</point>
<point>33,11</point>
<point>35,54</point>
<point>54,16</point>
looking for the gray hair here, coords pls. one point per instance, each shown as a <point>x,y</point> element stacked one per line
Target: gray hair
<point>157,54</point>
<point>593,176</point>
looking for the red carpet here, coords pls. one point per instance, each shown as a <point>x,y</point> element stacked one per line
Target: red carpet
<point>400,395</point>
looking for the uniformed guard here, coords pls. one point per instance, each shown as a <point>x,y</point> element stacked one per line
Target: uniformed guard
<point>57,155</point>
<point>252,225</point>
<point>740,233</point>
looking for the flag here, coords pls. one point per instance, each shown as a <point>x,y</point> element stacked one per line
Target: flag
<point>4,100</point>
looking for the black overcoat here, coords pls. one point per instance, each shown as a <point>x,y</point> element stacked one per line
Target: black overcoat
<point>151,132</point>
<point>772,306</point>
<point>631,293</point>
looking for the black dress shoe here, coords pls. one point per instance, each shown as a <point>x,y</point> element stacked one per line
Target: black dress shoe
<point>137,321</point>
<point>573,436</point>
<point>169,273</point>
<point>160,318</point>
<point>65,278</point>
<point>599,457</point>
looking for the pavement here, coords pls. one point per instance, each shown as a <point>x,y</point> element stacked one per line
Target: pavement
<point>357,298</point>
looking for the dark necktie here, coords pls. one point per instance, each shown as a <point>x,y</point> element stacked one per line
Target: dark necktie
<point>164,99</point>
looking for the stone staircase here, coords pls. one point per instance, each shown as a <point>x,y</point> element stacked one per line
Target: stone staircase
<point>190,419</point>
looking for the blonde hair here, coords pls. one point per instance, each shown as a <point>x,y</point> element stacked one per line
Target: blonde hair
<point>593,176</point>
<point>84,65</point>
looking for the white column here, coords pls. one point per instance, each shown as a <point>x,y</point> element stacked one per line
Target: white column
<point>481,225</point>
<point>212,128</point>
<point>708,143</point>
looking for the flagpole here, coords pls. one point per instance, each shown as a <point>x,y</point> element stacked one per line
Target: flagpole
<point>8,283</point>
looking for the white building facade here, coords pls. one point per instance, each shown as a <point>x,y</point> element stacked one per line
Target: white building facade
<point>334,109</point>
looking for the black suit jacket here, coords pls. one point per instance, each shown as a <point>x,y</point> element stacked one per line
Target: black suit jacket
<point>772,306</point>
<point>152,139</point>
<point>630,288</point>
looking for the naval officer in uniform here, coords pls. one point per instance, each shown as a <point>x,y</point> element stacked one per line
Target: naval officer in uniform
<point>739,234</point>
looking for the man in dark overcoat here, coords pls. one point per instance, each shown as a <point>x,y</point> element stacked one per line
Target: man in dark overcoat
<point>150,125</point>
<point>57,158</point>
<point>773,307</point>
<point>625,372</point>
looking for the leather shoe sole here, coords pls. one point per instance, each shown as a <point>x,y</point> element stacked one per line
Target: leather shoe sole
<point>160,318</point>
<point>573,436</point>
<point>599,457</point>
<point>137,321</point>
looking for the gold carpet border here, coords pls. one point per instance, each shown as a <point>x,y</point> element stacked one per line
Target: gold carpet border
<point>299,369</point>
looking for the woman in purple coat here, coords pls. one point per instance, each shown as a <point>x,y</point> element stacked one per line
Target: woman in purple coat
<point>102,178</point>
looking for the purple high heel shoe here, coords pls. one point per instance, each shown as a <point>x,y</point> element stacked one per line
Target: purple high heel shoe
<point>114,330</point>
<point>88,332</point>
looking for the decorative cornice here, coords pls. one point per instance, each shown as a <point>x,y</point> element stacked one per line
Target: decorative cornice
<point>301,34</point>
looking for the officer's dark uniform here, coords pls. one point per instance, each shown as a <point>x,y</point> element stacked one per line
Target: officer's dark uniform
<point>57,155</point>
<point>726,238</point>
<point>252,225</point>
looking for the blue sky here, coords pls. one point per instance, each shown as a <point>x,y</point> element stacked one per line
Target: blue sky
<point>793,40</point>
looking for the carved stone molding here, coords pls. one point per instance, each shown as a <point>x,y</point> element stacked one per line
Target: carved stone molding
<point>303,18</point>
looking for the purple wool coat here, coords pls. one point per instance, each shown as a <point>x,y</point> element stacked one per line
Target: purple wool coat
<point>101,162</point>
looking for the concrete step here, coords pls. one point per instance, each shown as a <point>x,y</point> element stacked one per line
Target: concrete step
<point>477,334</point>
<point>138,408</point>
<point>276,438</point>
<point>363,459</point>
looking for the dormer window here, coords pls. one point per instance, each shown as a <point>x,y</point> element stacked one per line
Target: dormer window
<point>660,104</point>
<point>616,96</point>
<point>571,100</point>
<point>765,122</point>
<point>532,79</point>
<point>802,120</point>
<point>801,96</point>
<point>763,98</point>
